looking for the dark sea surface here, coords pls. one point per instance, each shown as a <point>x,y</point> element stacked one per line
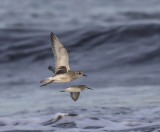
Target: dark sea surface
<point>116,43</point>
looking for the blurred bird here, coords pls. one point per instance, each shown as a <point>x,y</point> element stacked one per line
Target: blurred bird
<point>57,117</point>
<point>62,72</point>
<point>75,91</point>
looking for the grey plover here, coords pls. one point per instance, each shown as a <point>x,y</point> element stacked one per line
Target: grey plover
<point>75,91</point>
<point>62,72</point>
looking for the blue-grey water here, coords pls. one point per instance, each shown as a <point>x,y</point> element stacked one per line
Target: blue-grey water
<point>116,43</point>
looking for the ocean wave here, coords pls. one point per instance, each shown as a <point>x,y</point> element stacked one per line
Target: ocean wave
<point>124,44</point>
<point>139,15</point>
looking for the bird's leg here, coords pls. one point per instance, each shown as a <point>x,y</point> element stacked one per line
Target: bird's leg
<point>47,83</point>
<point>51,69</point>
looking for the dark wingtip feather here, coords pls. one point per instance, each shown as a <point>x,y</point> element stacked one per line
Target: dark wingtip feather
<point>52,36</point>
<point>70,114</point>
<point>52,33</point>
<point>75,95</point>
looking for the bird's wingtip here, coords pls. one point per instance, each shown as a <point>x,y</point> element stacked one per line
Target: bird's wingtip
<point>52,34</point>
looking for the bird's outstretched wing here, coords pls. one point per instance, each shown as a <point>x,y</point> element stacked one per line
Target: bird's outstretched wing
<point>60,54</point>
<point>75,95</point>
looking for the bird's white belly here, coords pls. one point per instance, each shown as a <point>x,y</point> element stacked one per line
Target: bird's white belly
<point>73,89</point>
<point>62,78</point>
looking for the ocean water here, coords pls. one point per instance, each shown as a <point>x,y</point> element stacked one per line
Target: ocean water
<point>116,43</point>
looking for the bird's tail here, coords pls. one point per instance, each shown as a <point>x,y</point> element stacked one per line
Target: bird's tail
<point>46,80</point>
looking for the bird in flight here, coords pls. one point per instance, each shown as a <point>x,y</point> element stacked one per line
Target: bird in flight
<point>75,91</point>
<point>61,72</point>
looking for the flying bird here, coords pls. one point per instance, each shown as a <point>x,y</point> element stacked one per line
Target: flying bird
<point>61,72</point>
<point>75,91</point>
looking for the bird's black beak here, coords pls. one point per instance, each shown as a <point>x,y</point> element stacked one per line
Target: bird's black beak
<point>90,88</point>
<point>84,75</point>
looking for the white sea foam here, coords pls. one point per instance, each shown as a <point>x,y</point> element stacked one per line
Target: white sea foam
<point>93,120</point>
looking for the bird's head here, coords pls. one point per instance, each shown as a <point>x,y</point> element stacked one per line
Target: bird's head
<point>79,73</point>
